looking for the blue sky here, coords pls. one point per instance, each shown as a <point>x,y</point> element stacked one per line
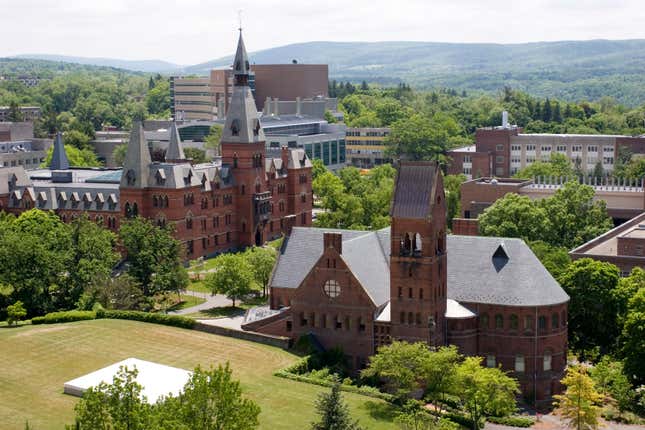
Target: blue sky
<point>193,31</point>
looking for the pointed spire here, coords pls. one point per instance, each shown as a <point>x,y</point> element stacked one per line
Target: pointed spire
<point>175,152</point>
<point>242,121</point>
<point>137,160</point>
<point>241,61</point>
<point>59,156</point>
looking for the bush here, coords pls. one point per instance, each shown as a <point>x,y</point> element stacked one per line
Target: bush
<point>513,421</point>
<point>455,417</point>
<point>63,317</point>
<point>171,320</point>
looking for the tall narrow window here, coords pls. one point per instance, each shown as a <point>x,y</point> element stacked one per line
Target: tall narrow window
<point>519,363</point>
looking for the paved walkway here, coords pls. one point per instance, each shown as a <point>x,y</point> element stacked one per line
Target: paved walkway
<point>234,323</point>
<point>212,301</point>
<point>553,422</point>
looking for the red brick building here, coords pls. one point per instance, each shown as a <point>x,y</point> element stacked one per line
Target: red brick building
<point>246,197</point>
<point>359,289</point>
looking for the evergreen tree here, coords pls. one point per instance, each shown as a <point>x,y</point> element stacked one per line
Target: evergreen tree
<point>547,115</point>
<point>151,83</point>
<point>334,412</point>
<point>364,86</point>
<point>537,111</point>
<point>578,404</point>
<point>567,111</point>
<point>557,115</point>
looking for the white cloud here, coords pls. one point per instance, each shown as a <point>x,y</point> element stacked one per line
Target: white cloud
<point>191,31</point>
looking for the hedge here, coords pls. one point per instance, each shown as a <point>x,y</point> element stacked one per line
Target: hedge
<point>171,320</point>
<point>365,391</point>
<point>68,316</point>
<point>513,421</point>
<point>63,317</point>
<point>458,418</point>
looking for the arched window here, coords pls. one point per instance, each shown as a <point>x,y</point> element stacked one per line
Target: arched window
<point>189,222</point>
<point>410,318</point>
<point>546,365</point>
<point>513,322</point>
<point>128,210</point>
<point>165,201</point>
<point>555,320</point>
<point>155,202</point>
<point>542,322</point>
<point>499,321</point>
<point>135,210</point>
<point>406,244</point>
<point>417,244</point>
<point>519,363</point>
<point>483,320</point>
<point>491,361</point>
<point>332,288</point>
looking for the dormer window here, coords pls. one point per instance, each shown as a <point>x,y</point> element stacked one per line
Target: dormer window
<point>256,127</point>
<point>235,127</point>
<point>160,176</point>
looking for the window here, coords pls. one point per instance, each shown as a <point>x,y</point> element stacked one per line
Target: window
<point>516,148</point>
<point>608,149</point>
<point>607,160</point>
<point>499,159</point>
<point>499,321</point>
<point>592,148</point>
<point>490,361</point>
<point>561,148</point>
<point>555,321</point>
<point>519,363</point>
<point>528,322</point>
<point>545,148</point>
<point>576,148</point>
<point>499,147</point>
<point>546,365</point>
<point>332,288</point>
<point>530,147</point>
<point>542,322</point>
<point>468,159</point>
<point>513,321</point>
<point>483,320</point>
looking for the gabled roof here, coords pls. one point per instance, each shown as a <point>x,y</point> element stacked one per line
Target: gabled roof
<point>413,191</point>
<point>298,159</point>
<point>473,275</point>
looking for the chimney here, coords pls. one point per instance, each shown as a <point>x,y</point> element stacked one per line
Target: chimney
<point>284,155</point>
<point>276,107</point>
<point>267,106</point>
<point>298,106</point>
<point>505,119</point>
<point>333,240</point>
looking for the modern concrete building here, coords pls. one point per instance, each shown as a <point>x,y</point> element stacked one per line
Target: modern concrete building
<point>29,113</point>
<point>19,147</point>
<point>623,246</point>
<point>208,97</point>
<point>502,151</point>
<point>359,289</point>
<point>366,147</point>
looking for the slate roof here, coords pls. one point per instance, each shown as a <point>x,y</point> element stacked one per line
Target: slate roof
<point>305,246</point>
<point>473,275</point>
<point>414,190</point>
<point>59,156</point>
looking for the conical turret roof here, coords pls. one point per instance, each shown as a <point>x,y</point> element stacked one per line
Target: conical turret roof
<point>241,61</point>
<point>175,150</point>
<point>59,156</point>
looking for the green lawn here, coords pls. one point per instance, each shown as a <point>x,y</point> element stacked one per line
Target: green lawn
<point>228,311</point>
<point>187,301</point>
<point>198,286</point>
<point>37,360</point>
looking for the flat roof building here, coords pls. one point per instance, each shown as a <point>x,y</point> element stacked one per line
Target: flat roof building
<point>366,146</point>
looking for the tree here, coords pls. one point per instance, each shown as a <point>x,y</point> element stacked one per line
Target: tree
<point>416,138</point>
<point>578,404</point>
<point>592,307</point>
<point>414,416</point>
<point>514,216</point>
<point>401,366</point>
<point>439,372</point>
<point>122,293</point>
<point>196,155</point>
<point>15,313</point>
<point>158,99</point>
<point>333,412</point>
<point>318,168</point>
<point>233,276</point>
<point>452,190</point>
<point>610,380</point>
<point>93,257</point>
<point>329,117</point>
<point>485,391</point>
<point>211,141</point>
<point>598,171</point>
<point>77,157</point>
<point>634,337</point>
<point>77,139</point>
<point>262,261</point>
<point>119,154</point>
<point>212,399</point>
<point>15,113</point>
<point>119,405</point>
<point>554,258</point>
<point>558,166</point>
<point>154,256</point>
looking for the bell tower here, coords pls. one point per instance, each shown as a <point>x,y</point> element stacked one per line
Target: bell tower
<point>244,151</point>
<point>418,272</point>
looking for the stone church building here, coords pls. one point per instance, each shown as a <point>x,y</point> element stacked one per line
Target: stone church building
<point>245,197</point>
<point>361,289</point>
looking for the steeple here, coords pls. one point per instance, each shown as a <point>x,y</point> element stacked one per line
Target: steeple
<point>137,160</point>
<point>175,152</point>
<point>242,122</point>
<point>59,156</point>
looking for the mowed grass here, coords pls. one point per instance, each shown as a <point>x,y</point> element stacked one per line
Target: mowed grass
<point>37,360</point>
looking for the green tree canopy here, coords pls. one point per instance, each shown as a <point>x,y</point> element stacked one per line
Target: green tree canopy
<point>333,412</point>
<point>77,157</point>
<point>233,276</point>
<point>261,261</point>
<point>634,337</point>
<point>559,166</point>
<point>578,404</point>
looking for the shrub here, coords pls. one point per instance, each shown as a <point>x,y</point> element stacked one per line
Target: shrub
<point>513,421</point>
<point>171,320</point>
<point>63,317</point>
<point>456,417</point>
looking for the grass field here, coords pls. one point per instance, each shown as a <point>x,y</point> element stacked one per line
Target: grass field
<point>187,301</point>
<point>37,360</point>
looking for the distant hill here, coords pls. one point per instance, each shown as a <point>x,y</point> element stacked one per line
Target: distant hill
<point>571,70</point>
<point>149,66</point>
